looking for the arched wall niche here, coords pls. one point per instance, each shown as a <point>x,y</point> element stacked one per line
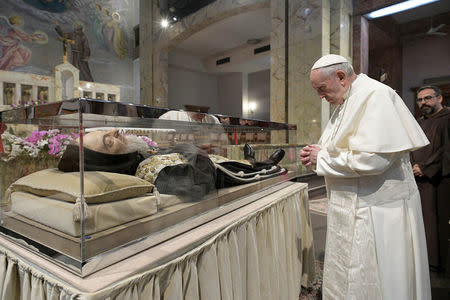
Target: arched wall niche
<point>67,83</point>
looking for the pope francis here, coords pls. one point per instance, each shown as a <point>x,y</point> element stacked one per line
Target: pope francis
<point>375,246</point>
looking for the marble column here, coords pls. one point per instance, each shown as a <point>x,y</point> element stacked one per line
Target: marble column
<point>161,42</point>
<point>308,40</point>
<point>278,89</point>
<point>340,41</point>
<point>146,51</point>
<point>340,27</point>
<point>160,78</point>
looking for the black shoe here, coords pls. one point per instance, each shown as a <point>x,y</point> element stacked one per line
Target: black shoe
<point>276,157</point>
<point>249,153</point>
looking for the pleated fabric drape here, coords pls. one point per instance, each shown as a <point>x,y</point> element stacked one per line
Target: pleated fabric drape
<point>266,255</point>
<point>19,280</point>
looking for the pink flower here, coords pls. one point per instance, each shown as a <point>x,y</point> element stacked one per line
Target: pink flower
<point>55,148</point>
<point>55,144</point>
<point>36,136</point>
<point>149,141</point>
<point>61,136</point>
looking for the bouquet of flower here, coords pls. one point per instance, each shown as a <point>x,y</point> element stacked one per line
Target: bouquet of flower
<point>40,143</point>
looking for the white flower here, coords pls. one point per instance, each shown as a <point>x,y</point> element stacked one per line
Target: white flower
<point>16,150</point>
<point>34,152</point>
<point>8,138</point>
<point>42,143</point>
<point>53,132</point>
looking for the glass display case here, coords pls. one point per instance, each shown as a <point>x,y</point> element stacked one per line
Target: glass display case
<point>86,183</point>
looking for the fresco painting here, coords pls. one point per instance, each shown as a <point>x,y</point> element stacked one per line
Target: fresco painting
<point>79,47</point>
<point>12,39</point>
<point>108,30</point>
<point>29,42</point>
<point>51,5</point>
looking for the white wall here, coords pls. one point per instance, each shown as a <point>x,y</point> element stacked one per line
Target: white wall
<point>230,94</point>
<point>190,87</point>
<point>259,93</point>
<point>185,60</point>
<point>189,84</point>
<point>424,58</point>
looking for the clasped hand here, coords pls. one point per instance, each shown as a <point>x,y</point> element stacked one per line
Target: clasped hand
<point>417,171</point>
<point>308,155</point>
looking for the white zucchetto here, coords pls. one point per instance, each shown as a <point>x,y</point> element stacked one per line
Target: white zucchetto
<point>328,60</point>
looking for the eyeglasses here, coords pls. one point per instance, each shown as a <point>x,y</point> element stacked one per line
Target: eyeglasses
<point>426,99</point>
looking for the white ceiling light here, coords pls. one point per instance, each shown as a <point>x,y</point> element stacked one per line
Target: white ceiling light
<point>164,23</point>
<point>398,8</point>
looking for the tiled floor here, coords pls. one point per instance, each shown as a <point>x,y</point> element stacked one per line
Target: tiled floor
<point>319,224</point>
<point>440,285</point>
<point>314,291</point>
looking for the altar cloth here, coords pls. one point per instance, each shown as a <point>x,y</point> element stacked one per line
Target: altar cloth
<point>263,250</point>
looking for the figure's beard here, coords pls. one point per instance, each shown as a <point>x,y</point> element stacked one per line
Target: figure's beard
<point>427,110</point>
<point>135,143</point>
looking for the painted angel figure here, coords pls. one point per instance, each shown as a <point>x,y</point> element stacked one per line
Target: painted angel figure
<point>13,52</point>
<point>108,30</point>
<point>117,41</point>
<point>97,23</point>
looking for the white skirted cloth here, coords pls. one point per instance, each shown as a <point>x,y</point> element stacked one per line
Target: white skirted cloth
<point>375,247</point>
<point>263,250</point>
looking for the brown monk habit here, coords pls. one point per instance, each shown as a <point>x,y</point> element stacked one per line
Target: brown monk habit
<point>434,186</point>
<point>80,51</point>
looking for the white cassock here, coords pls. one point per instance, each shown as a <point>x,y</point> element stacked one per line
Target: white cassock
<point>375,247</point>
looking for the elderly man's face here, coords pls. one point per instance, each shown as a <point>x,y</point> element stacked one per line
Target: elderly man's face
<point>111,142</point>
<point>428,102</point>
<point>329,87</point>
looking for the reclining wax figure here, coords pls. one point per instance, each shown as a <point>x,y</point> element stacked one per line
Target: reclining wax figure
<point>183,170</point>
